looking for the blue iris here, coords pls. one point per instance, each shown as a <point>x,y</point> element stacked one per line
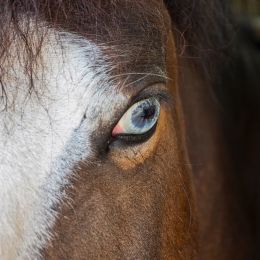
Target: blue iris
<point>140,117</point>
<point>145,115</point>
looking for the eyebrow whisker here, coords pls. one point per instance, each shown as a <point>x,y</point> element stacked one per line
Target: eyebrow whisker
<point>138,80</point>
<point>140,73</point>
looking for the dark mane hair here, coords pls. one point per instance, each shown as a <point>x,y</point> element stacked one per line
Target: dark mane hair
<point>226,52</point>
<point>104,22</point>
<point>229,57</point>
<point>204,31</point>
<point>204,28</point>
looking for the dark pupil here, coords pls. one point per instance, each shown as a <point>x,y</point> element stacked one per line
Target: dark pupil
<point>143,114</point>
<point>149,113</point>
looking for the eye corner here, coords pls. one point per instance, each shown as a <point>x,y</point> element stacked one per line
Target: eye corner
<point>131,139</point>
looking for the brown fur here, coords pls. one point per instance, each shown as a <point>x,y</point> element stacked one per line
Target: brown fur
<point>180,197</point>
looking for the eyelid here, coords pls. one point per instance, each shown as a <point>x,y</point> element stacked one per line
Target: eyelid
<point>158,91</point>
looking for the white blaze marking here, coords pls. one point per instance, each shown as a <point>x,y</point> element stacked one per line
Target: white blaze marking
<point>40,143</point>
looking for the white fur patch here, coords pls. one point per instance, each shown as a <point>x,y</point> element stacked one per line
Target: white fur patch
<point>42,138</point>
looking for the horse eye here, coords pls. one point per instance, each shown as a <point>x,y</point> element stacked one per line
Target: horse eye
<point>139,119</point>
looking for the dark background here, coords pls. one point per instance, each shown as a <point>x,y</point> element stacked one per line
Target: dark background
<point>248,10</point>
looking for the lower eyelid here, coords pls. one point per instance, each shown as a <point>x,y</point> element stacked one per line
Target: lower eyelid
<point>128,139</point>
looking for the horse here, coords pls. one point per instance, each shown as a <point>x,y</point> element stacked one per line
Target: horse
<point>113,140</point>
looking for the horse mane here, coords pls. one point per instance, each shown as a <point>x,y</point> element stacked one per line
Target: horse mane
<point>204,32</point>
<point>103,22</point>
<point>204,29</point>
<point>226,53</point>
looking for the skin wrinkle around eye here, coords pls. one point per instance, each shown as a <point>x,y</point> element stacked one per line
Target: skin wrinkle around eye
<point>132,156</point>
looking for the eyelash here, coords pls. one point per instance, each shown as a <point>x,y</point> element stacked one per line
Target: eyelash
<point>162,97</point>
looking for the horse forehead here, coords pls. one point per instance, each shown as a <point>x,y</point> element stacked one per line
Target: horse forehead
<point>128,36</point>
<point>131,33</point>
<point>114,20</point>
